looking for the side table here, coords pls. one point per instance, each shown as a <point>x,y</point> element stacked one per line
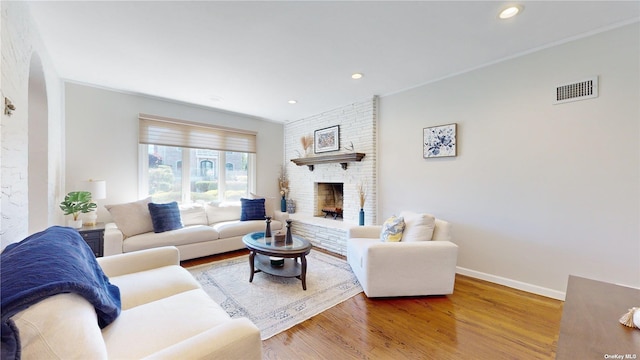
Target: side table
<point>94,236</point>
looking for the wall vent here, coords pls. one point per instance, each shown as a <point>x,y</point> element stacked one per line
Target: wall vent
<point>582,90</point>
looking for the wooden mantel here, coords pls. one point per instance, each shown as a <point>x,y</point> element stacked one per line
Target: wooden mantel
<point>343,159</point>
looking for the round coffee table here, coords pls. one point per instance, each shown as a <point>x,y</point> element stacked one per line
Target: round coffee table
<point>261,249</point>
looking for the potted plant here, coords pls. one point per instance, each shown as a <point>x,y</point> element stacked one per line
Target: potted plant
<point>75,203</point>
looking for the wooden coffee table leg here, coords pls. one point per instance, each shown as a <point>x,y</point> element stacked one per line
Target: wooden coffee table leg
<point>252,256</point>
<point>303,275</point>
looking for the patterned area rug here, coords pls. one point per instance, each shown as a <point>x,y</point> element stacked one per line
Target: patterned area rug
<point>274,303</point>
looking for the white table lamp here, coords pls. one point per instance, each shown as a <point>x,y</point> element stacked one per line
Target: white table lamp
<point>98,190</point>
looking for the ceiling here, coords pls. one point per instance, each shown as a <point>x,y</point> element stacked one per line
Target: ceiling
<point>253,57</point>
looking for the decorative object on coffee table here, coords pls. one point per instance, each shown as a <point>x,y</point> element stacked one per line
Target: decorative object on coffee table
<point>289,239</point>
<point>276,261</point>
<point>267,231</point>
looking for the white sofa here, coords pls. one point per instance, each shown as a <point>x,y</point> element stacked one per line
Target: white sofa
<point>165,315</point>
<point>424,266</point>
<point>208,229</point>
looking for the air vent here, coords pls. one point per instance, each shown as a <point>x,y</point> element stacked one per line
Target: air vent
<point>586,89</point>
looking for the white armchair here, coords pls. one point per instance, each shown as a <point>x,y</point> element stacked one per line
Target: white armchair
<point>415,268</point>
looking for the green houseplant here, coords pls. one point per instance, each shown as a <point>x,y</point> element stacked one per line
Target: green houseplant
<point>77,202</point>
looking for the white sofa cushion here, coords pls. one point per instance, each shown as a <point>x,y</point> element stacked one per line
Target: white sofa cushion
<point>63,326</point>
<point>193,214</point>
<point>418,227</point>
<point>269,204</point>
<point>132,218</point>
<point>144,330</point>
<point>186,235</point>
<point>228,229</point>
<point>216,214</point>
<point>143,287</point>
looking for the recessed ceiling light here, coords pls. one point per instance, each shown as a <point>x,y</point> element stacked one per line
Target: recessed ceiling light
<point>292,102</point>
<point>357,76</point>
<point>510,11</point>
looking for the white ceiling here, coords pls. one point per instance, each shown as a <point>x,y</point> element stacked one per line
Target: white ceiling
<point>252,57</point>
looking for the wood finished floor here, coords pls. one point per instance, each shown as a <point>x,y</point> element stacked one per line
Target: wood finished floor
<point>480,320</point>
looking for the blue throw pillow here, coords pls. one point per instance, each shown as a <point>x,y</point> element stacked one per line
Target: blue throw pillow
<point>252,209</point>
<point>165,217</point>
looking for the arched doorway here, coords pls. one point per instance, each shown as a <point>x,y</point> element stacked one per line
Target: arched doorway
<point>38,138</point>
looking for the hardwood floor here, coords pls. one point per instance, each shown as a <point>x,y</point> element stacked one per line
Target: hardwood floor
<point>480,320</point>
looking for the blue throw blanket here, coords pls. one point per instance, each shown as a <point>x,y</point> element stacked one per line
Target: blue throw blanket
<point>56,260</point>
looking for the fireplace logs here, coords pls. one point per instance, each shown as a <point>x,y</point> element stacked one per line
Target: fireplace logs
<point>334,212</point>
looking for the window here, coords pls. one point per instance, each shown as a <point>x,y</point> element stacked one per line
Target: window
<point>206,167</point>
<point>187,174</point>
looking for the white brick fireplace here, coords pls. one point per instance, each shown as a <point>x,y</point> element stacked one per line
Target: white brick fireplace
<point>358,126</point>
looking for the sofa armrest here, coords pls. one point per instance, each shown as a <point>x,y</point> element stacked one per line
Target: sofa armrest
<point>280,216</point>
<point>388,263</point>
<point>137,261</point>
<point>113,239</point>
<point>234,339</point>
<point>368,231</point>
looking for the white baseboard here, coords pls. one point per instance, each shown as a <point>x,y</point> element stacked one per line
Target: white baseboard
<point>534,289</point>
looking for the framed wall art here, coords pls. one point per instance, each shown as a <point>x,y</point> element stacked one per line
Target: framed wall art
<point>327,139</point>
<point>439,141</point>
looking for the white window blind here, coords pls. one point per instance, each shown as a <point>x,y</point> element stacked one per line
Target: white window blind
<point>173,132</point>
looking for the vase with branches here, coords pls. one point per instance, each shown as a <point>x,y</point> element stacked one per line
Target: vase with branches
<point>307,143</point>
<point>362,194</point>
<point>283,184</point>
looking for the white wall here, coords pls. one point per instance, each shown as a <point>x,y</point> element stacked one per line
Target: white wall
<point>20,44</point>
<point>102,139</point>
<point>537,191</point>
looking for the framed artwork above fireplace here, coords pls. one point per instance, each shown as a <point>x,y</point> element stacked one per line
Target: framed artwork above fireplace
<point>327,139</point>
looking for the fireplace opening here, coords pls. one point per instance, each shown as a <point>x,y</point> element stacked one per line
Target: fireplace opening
<point>329,199</point>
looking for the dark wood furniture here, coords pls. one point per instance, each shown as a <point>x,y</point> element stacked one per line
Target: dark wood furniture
<point>94,236</point>
<point>590,329</point>
<point>343,159</point>
<point>261,249</point>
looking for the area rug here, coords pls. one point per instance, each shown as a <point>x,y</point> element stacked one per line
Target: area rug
<point>274,303</point>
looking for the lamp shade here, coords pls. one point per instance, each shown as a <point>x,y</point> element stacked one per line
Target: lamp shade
<point>97,188</point>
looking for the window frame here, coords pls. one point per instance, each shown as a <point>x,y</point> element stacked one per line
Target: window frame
<point>188,135</point>
<point>143,173</point>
